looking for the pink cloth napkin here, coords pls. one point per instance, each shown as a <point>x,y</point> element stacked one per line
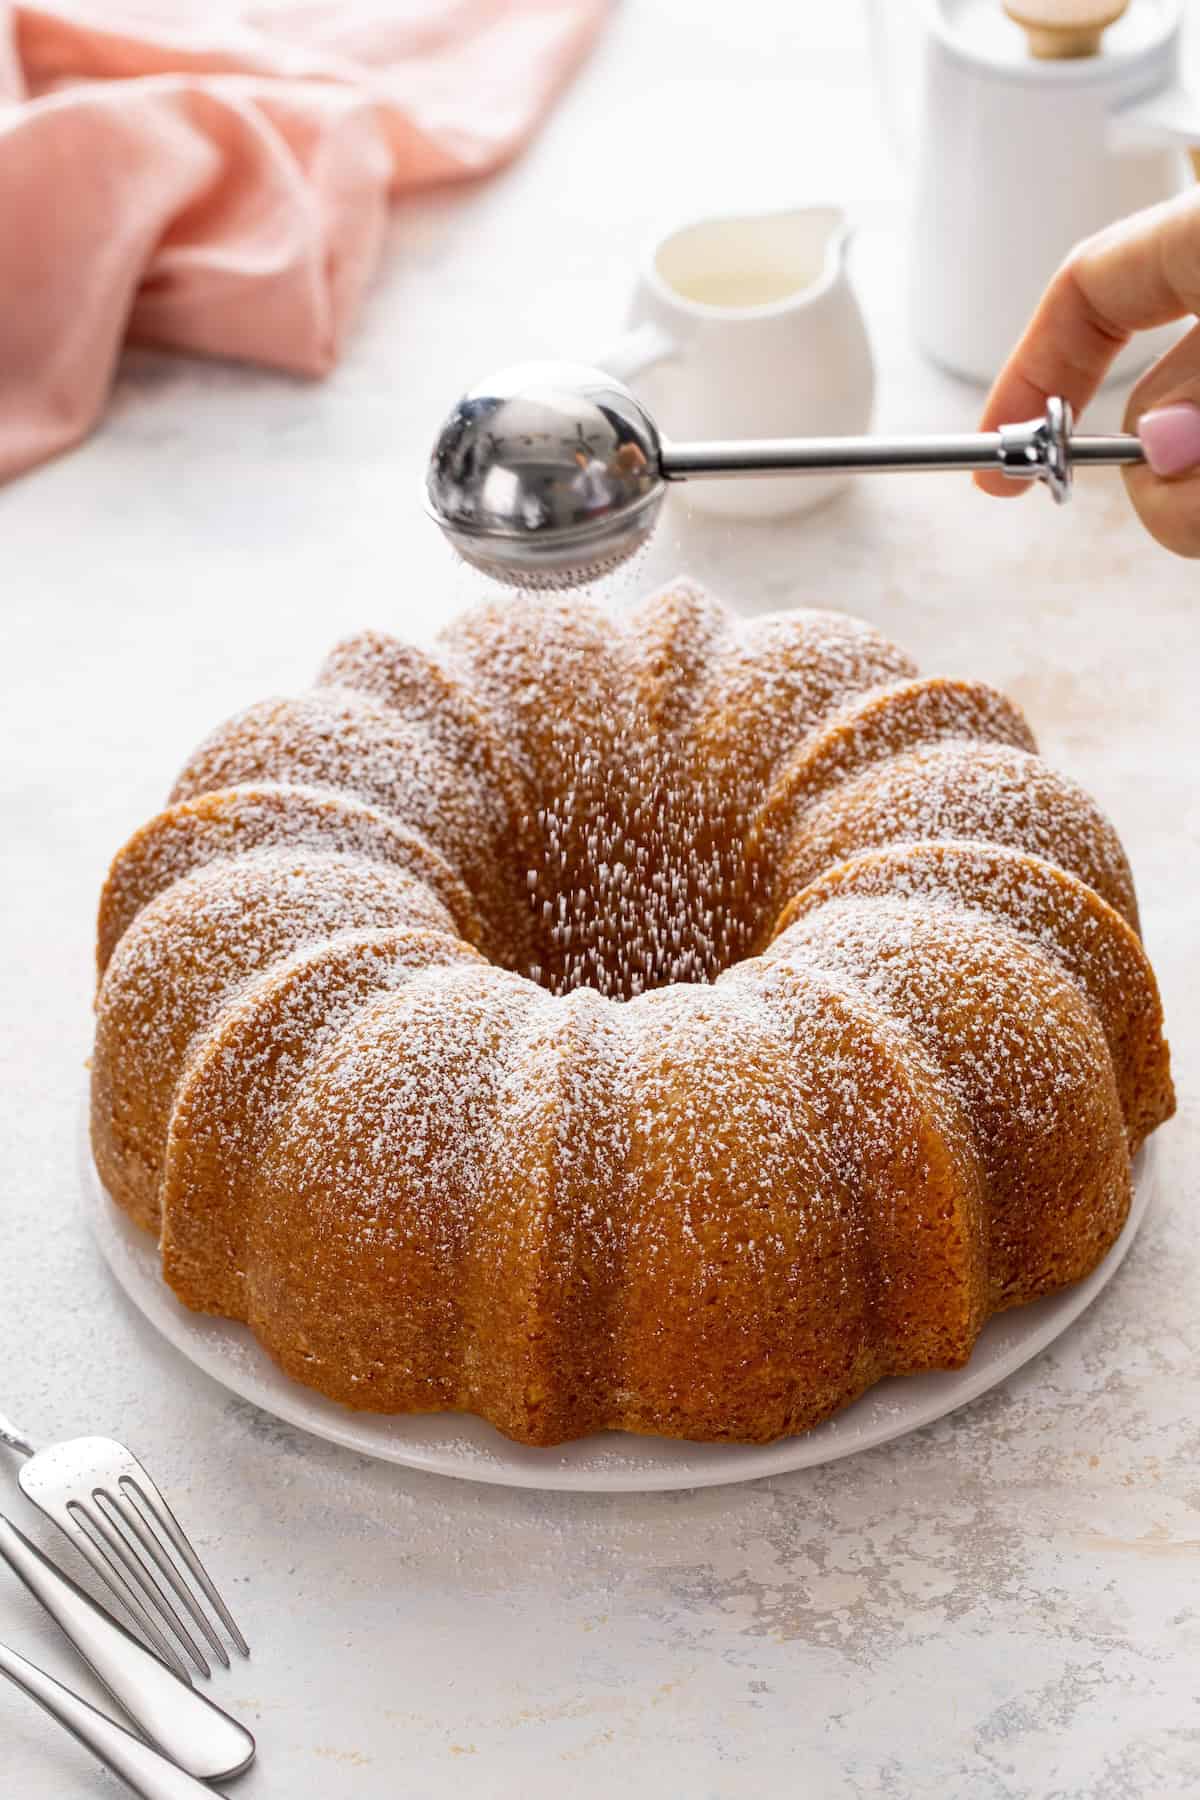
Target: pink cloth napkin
<point>221,186</point>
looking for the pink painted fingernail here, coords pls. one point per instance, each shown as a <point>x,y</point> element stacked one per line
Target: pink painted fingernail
<point>1171,438</point>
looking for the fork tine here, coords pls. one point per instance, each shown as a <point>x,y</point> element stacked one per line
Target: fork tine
<point>152,1500</point>
<point>117,1583</point>
<point>134,1523</point>
<point>112,1544</point>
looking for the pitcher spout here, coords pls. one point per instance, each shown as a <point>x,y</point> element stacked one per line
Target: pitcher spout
<point>838,228</point>
<point>752,262</point>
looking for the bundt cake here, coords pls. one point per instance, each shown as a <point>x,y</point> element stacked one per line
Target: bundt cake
<point>653,1020</point>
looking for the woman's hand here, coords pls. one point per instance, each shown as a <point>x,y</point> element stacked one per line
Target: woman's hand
<point>1142,272</point>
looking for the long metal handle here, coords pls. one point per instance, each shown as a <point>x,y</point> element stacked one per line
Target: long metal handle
<point>187,1726</point>
<point>145,1771</point>
<point>871,455</point>
<point>1115,447</point>
<point>1044,449</point>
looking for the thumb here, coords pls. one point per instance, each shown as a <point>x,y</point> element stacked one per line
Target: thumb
<point>1164,410</point>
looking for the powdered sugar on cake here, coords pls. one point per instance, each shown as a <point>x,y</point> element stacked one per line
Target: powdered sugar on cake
<point>649,1019</point>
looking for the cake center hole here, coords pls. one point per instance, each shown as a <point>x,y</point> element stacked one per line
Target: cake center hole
<point>634,882</point>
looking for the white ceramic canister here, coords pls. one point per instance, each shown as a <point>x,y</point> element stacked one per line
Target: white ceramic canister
<point>1019,156</point>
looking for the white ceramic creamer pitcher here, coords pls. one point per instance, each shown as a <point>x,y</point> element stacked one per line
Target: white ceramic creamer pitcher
<point>747,326</point>
<point>1028,137</point>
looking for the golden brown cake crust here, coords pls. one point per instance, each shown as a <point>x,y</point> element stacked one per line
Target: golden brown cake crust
<point>651,1020</point>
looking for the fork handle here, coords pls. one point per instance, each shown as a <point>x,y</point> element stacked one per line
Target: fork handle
<point>192,1731</point>
<point>16,1440</point>
<point>146,1772</point>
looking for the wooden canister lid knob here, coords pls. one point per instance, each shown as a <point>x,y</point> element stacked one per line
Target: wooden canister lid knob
<point>1058,29</point>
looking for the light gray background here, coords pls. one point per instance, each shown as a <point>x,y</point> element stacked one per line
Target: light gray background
<point>1004,1604</point>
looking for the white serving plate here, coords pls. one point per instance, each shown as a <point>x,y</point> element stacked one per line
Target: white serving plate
<point>608,1462</point>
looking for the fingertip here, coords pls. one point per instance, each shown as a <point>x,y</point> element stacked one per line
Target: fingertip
<point>1000,487</point>
<point>1171,437</point>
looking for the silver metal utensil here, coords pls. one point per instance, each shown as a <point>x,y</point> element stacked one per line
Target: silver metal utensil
<point>145,1771</point>
<point>99,1494</point>
<point>183,1723</point>
<point>550,474</point>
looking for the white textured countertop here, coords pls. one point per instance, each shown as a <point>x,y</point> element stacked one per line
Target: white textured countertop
<point>1004,1604</point>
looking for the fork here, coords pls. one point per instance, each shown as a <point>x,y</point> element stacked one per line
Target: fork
<point>100,1495</point>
